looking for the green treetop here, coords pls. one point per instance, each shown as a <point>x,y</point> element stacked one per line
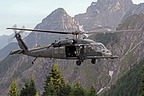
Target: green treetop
<point>29,89</point>
<point>142,94</point>
<point>78,90</point>
<point>92,92</point>
<point>54,82</point>
<point>13,89</point>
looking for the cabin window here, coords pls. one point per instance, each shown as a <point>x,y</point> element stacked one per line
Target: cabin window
<point>61,50</point>
<point>56,50</point>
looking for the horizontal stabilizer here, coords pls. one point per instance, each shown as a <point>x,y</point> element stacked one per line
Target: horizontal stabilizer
<point>16,52</point>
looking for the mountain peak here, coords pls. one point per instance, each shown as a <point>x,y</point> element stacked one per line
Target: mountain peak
<point>58,20</point>
<point>59,11</point>
<point>113,1</point>
<point>104,4</point>
<point>104,13</point>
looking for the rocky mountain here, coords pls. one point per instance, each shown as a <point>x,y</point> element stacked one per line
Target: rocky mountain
<point>4,40</point>
<point>103,13</point>
<point>130,84</point>
<point>128,46</point>
<point>8,43</point>
<point>131,43</point>
<point>7,49</point>
<point>58,20</point>
<point>136,9</point>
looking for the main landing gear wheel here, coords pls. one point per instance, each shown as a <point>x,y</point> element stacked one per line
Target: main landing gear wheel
<point>78,63</point>
<point>93,61</point>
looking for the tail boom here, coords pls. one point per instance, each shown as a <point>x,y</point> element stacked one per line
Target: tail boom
<point>21,43</point>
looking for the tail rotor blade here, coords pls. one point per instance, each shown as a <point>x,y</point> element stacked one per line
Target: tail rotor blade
<point>21,31</point>
<point>14,26</point>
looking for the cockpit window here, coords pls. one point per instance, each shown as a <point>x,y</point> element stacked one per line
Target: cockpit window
<point>102,46</point>
<point>98,46</point>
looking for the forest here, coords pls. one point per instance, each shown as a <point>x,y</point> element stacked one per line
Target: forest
<point>55,85</point>
<point>130,84</point>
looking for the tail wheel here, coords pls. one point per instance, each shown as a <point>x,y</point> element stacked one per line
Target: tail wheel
<point>93,61</point>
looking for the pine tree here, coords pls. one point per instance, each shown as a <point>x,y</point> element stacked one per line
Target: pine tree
<point>29,89</point>
<point>78,90</point>
<point>54,82</point>
<point>13,90</point>
<point>32,87</point>
<point>36,94</point>
<point>50,90</point>
<point>92,92</point>
<point>65,91</point>
<point>142,94</point>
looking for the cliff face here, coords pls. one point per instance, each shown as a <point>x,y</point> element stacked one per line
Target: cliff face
<point>8,43</point>
<point>129,47</point>
<point>58,20</point>
<point>4,40</point>
<point>136,9</point>
<point>103,13</point>
<point>131,44</point>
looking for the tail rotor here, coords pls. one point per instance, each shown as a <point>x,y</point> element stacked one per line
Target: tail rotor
<point>16,31</point>
<point>21,43</point>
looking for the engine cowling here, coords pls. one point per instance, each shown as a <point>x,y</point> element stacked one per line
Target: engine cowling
<point>64,43</point>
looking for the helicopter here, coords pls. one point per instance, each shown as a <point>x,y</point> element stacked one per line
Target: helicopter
<point>69,49</point>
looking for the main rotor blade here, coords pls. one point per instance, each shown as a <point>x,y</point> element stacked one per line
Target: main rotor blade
<point>47,31</point>
<point>113,31</point>
<point>75,32</point>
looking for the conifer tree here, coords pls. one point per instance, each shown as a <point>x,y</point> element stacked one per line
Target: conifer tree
<point>66,90</point>
<point>92,92</point>
<point>36,94</point>
<point>142,94</point>
<point>54,82</point>
<point>29,89</point>
<point>78,90</point>
<point>13,90</point>
<point>50,90</point>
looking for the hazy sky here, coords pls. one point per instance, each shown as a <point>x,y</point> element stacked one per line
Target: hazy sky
<point>31,12</point>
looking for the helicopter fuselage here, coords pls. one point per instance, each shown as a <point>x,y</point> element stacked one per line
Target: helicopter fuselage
<point>70,49</point>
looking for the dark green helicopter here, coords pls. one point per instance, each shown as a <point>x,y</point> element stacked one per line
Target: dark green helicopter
<point>69,49</point>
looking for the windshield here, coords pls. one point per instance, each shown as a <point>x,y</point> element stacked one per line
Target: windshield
<point>99,46</point>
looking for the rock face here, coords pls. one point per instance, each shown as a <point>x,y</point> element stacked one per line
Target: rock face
<point>131,44</point>
<point>136,9</point>
<point>58,20</point>
<point>8,43</point>
<point>7,49</point>
<point>4,40</point>
<point>129,47</point>
<point>103,13</point>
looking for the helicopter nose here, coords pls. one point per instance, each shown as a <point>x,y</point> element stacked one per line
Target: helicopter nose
<point>107,52</point>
